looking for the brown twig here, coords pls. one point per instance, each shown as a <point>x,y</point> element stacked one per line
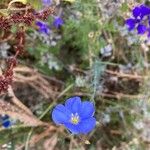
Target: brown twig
<point>17,102</point>
<point>123,75</point>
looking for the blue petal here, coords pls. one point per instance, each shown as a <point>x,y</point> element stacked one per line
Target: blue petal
<point>136,12</point>
<point>87,110</point>
<point>83,127</point>
<point>6,124</point>
<point>74,129</point>
<point>43,27</point>
<point>144,10</point>
<point>39,23</point>
<point>58,22</point>
<point>47,2</point>
<point>130,23</point>
<point>141,29</point>
<point>73,104</point>
<point>5,121</point>
<point>87,125</point>
<point>148,30</point>
<point>60,114</point>
<point>44,30</point>
<point>148,20</point>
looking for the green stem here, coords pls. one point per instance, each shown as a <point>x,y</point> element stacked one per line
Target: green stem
<point>44,113</point>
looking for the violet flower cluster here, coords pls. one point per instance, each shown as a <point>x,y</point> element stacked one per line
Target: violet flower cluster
<point>140,20</point>
<point>44,27</point>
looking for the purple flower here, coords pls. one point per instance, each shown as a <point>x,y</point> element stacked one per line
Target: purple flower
<point>5,121</point>
<point>43,27</point>
<point>141,29</point>
<point>58,22</point>
<point>75,115</point>
<point>141,11</point>
<point>47,2</point>
<point>140,17</point>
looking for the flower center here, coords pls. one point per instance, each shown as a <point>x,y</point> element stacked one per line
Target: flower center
<point>75,118</point>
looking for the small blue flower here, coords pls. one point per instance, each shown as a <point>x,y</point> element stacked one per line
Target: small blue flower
<point>47,2</point>
<point>141,15</point>
<point>58,22</point>
<point>43,27</point>
<point>75,115</point>
<point>5,121</point>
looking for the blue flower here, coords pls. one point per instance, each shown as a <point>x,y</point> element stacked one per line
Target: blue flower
<point>43,27</point>
<point>5,121</point>
<point>58,22</point>
<point>47,2</point>
<point>141,15</point>
<point>75,115</point>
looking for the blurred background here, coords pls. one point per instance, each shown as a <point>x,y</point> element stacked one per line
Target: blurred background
<point>83,49</point>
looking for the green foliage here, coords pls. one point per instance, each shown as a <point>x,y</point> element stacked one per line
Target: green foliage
<point>124,7</point>
<point>37,4</point>
<point>76,31</point>
<point>97,70</point>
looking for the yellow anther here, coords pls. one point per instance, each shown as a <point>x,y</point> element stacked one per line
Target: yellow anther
<point>74,119</point>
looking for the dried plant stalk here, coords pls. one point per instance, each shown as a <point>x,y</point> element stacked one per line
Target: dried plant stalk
<point>37,137</point>
<point>16,113</point>
<point>17,102</point>
<point>35,80</point>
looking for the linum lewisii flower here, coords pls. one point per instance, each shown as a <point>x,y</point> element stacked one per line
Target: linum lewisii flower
<point>76,116</point>
<point>43,27</point>
<point>5,121</point>
<point>140,19</point>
